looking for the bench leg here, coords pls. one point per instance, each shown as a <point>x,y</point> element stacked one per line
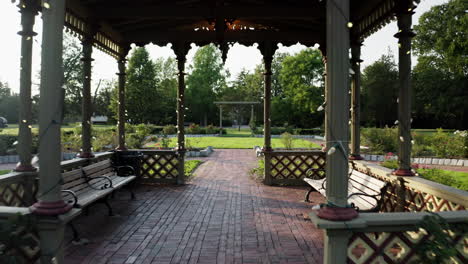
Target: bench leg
<point>130,189</point>
<point>76,236</point>
<point>312,189</point>
<point>106,202</point>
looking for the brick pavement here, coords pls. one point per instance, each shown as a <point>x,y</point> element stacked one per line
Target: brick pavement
<point>222,216</point>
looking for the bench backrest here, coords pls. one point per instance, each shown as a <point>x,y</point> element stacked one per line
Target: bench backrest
<point>363,183</point>
<point>76,181</point>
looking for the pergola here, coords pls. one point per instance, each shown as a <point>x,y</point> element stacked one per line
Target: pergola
<point>236,103</point>
<point>112,26</point>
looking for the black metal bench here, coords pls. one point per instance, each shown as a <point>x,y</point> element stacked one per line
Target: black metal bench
<point>366,193</point>
<point>93,184</point>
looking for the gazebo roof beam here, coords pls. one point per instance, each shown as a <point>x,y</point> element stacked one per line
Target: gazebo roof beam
<point>177,12</point>
<point>146,36</point>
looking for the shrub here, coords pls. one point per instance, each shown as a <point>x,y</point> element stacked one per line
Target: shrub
<point>309,131</point>
<point>380,140</point>
<point>7,144</point>
<point>210,129</point>
<point>287,140</point>
<point>169,130</point>
<point>134,140</point>
<point>446,145</point>
<point>194,129</point>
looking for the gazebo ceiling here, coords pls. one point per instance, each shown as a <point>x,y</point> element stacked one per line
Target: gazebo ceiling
<point>121,22</point>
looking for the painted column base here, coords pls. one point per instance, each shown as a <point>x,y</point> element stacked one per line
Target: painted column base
<point>85,155</point>
<point>356,157</point>
<point>337,213</point>
<point>25,168</point>
<point>403,172</point>
<point>50,208</point>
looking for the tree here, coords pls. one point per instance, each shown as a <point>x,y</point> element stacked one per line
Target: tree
<point>72,78</point>
<point>442,35</point>
<point>380,92</point>
<point>166,75</point>
<point>141,93</point>
<point>103,99</point>
<point>440,77</point>
<point>301,81</point>
<point>204,84</point>
<point>9,103</point>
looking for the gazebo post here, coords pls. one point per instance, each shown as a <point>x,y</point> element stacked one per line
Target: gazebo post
<point>121,105</point>
<point>337,109</point>
<point>50,203</point>
<point>268,50</point>
<point>220,119</point>
<point>355,100</point>
<point>404,35</point>
<point>28,10</point>
<point>181,50</point>
<point>88,40</point>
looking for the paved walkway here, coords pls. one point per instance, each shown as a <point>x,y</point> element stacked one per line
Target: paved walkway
<point>222,216</point>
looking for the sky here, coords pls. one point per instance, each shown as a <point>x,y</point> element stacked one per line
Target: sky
<point>105,67</point>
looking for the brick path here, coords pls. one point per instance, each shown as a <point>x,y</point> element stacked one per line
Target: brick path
<point>222,216</point>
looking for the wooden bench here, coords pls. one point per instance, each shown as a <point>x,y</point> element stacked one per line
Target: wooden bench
<point>366,193</point>
<point>94,183</point>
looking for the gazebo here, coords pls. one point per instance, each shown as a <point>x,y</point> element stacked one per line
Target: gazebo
<point>337,26</point>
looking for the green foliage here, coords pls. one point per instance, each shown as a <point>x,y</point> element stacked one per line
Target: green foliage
<point>287,140</point>
<point>72,78</point>
<point>6,144</point>
<point>447,145</point>
<point>390,163</point>
<point>190,166</point>
<point>169,130</point>
<point>440,247</point>
<point>379,92</point>
<point>441,76</point>
<point>302,87</point>
<point>380,141</point>
<point>9,103</point>
<point>205,82</point>
<point>12,237</point>
<point>258,172</point>
<point>194,129</point>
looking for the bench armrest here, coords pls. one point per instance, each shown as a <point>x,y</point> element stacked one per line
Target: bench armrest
<point>105,186</point>
<point>379,201</point>
<point>75,198</point>
<point>125,170</point>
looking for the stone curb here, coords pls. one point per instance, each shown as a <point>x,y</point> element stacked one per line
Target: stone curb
<point>428,161</point>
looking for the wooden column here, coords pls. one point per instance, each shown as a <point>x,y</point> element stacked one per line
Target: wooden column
<point>86,106</point>
<point>28,10</point>
<point>355,100</point>
<point>404,35</point>
<point>121,113</point>
<point>337,113</point>
<point>50,202</point>
<point>220,119</point>
<point>325,94</point>
<point>181,50</point>
<point>268,50</point>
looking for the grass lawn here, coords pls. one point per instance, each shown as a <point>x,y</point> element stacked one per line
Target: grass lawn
<point>4,172</point>
<point>238,142</point>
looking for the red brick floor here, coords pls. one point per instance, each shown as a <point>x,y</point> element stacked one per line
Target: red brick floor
<point>222,216</point>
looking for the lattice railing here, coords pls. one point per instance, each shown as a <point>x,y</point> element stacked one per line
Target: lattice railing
<point>18,189</point>
<point>415,194</point>
<point>400,247</point>
<point>21,253</point>
<point>159,166</point>
<point>295,165</point>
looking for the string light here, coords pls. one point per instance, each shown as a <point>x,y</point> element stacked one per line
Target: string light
<point>350,24</point>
